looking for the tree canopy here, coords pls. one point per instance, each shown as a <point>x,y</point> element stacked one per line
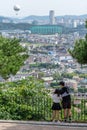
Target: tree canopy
<point>79,52</point>
<point>26,99</point>
<point>12,56</point>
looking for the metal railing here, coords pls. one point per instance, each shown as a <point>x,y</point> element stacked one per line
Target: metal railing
<point>39,108</point>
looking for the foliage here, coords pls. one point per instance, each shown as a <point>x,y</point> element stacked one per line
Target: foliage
<point>68,75</point>
<point>12,56</point>
<point>79,52</point>
<point>21,100</point>
<point>29,100</point>
<point>82,89</point>
<point>83,75</point>
<point>54,84</point>
<point>44,65</point>
<point>57,76</point>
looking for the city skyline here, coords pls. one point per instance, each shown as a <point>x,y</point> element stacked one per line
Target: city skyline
<point>41,8</point>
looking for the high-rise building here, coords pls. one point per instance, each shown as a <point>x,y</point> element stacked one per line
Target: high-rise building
<point>52,17</point>
<point>75,24</point>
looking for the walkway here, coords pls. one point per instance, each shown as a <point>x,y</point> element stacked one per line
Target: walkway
<point>33,125</point>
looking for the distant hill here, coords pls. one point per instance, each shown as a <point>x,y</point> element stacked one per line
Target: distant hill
<point>2,19</point>
<point>34,17</point>
<point>39,18</point>
<point>73,16</point>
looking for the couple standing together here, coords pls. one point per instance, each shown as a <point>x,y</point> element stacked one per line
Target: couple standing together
<point>61,100</point>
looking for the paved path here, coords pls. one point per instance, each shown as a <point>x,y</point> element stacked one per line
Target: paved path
<point>32,125</point>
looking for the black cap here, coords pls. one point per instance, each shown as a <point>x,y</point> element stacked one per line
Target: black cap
<point>62,83</point>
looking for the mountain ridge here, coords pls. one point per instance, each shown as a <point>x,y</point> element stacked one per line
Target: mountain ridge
<point>39,18</point>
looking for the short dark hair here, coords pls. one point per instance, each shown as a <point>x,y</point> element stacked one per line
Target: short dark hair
<point>62,83</point>
<point>57,91</point>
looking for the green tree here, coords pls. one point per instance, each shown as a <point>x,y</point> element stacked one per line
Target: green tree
<point>25,99</point>
<point>79,52</point>
<point>57,76</point>
<point>12,56</point>
<point>68,75</point>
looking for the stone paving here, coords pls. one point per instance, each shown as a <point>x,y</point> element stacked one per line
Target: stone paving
<point>33,125</point>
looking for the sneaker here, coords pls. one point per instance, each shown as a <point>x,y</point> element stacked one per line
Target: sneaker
<point>70,121</point>
<point>52,120</point>
<point>58,121</point>
<point>65,120</point>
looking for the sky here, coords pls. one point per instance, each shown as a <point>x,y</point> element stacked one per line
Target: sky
<point>42,7</point>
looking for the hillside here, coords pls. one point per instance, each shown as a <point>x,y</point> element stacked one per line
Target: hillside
<point>35,17</point>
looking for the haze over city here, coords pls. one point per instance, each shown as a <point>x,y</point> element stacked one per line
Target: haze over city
<point>40,7</point>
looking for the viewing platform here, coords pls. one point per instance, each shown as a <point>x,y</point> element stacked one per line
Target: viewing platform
<point>39,125</point>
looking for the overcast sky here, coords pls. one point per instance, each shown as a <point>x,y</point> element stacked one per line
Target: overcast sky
<point>42,7</point>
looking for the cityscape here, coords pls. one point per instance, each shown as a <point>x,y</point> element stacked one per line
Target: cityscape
<point>25,95</point>
<point>49,43</point>
<point>43,65</point>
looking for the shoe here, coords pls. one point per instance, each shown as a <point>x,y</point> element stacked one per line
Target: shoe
<point>65,120</point>
<point>58,121</point>
<point>70,119</point>
<point>53,120</point>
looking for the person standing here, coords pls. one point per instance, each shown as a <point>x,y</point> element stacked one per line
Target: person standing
<point>56,107</point>
<point>66,101</point>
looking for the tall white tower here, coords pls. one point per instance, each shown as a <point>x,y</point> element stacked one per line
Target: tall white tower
<point>75,24</point>
<point>52,17</point>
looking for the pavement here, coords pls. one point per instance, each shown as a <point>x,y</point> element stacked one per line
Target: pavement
<point>38,125</point>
